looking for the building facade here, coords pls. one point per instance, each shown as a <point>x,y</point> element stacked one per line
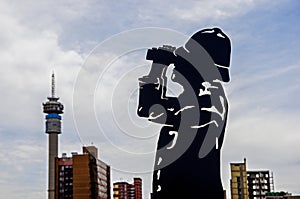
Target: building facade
<point>64,177</point>
<point>82,176</point>
<point>124,190</point>
<point>246,184</point>
<point>238,181</point>
<point>258,184</point>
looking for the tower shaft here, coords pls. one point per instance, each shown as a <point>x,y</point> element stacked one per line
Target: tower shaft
<point>53,152</point>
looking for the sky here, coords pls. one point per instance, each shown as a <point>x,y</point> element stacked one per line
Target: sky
<point>97,51</point>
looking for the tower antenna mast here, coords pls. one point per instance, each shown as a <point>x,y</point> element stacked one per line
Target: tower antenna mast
<point>53,86</point>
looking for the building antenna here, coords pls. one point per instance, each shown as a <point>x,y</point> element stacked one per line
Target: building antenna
<point>53,85</point>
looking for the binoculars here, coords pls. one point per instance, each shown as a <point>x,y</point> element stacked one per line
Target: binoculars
<point>162,55</point>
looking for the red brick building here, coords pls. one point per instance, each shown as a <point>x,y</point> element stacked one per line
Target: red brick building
<point>124,190</point>
<point>82,176</point>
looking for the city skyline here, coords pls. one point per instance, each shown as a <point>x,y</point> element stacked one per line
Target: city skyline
<point>39,37</point>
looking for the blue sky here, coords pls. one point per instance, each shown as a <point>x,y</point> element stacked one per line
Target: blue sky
<point>38,37</point>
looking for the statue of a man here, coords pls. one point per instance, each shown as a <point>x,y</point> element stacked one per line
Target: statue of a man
<point>187,163</point>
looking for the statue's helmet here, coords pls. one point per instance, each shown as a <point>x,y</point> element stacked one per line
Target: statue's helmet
<point>218,47</point>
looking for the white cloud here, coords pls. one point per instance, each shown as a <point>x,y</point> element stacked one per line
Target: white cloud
<point>26,63</point>
<point>22,167</point>
<point>27,58</point>
<point>199,12</point>
<point>263,123</point>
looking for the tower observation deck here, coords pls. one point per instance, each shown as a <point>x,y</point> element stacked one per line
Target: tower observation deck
<point>53,108</point>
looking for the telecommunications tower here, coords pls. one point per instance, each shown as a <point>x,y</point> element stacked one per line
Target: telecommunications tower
<point>53,108</point>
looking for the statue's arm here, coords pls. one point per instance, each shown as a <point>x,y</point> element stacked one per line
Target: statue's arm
<point>153,104</point>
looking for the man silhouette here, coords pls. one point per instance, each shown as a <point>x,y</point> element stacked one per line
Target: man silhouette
<point>187,162</point>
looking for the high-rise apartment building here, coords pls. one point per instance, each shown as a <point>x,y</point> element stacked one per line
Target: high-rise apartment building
<point>82,176</point>
<point>137,183</point>
<point>124,190</point>
<point>258,184</point>
<point>246,184</point>
<point>238,181</point>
